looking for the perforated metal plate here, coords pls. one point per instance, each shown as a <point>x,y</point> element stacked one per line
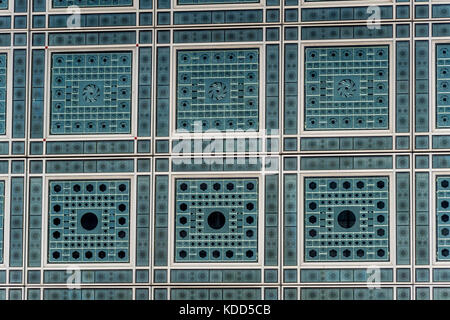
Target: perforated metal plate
<point>217,89</point>
<point>216,220</point>
<point>346,219</point>
<point>91,93</point>
<point>89,221</point>
<point>443,86</point>
<point>443,218</point>
<point>346,88</point>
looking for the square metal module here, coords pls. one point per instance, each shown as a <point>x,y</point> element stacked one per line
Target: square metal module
<point>347,88</point>
<point>346,219</point>
<point>91,93</point>
<point>442,218</point>
<point>89,221</point>
<point>217,89</point>
<point>90,99</point>
<point>216,220</point>
<point>442,85</point>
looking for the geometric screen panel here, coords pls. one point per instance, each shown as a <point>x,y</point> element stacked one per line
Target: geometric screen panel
<point>89,221</point>
<point>217,89</point>
<point>91,93</point>
<point>346,219</point>
<point>443,86</point>
<point>216,220</point>
<point>347,88</point>
<point>443,218</point>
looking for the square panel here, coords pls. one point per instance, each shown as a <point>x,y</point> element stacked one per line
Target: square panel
<point>217,97</point>
<point>216,220</point>
<point>91,93</point>
<point>90,100</point>
<point>443,86</point>
<point>216,223</point>
<point>442,218</point>
<point>346,218</point>
<point>346,88</point>
<point>217,90</point>
<point>89,221</point>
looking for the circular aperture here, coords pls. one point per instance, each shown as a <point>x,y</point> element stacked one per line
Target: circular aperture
<point>89,221</point>
<point>346,219</point>
<point>216,220</point>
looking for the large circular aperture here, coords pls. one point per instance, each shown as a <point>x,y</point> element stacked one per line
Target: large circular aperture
<point>89,221</point>
<point>346,219</point>
<point>216,220</point>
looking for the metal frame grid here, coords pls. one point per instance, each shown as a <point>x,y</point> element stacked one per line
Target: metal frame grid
<point>411,150</point>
